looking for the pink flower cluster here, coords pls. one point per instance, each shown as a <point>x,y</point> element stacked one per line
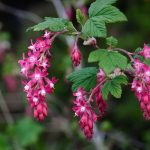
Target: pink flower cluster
<point>141,83</point>
<point>83,109</point>
<point>35,68</point>
<point>102,105</point>
<point>146,51</point>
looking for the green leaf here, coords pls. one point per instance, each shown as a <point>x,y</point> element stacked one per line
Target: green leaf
<point>94,28</point>
<point>111,41</point>
<point>114,87</point>
<point>69,26</point>
<point>147,62</point>
<point>110,14</point>
<point>105,91</point>
<point>53,24</point>
<point>101,12</point>
<point>85,78</point>
<point>98,5</point>
<point>122,79</point>
<point>27,131</point>
<point>80,17</point>
<point>108,60</point>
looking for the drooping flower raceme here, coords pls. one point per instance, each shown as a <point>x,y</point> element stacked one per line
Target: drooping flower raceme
<point>35,68</point>
<point>141,83</point>
<point>83,109</point>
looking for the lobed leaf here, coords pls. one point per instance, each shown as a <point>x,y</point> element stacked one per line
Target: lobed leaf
<point>98,5</point>
<point>53,24</point>
<point>85,78</point>
<point>114,87</point>
<point>95,28</point>
<point>110,14</point>
<point>108,60</point>
<point>101,12</point>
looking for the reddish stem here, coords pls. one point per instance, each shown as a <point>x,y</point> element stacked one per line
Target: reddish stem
<point>126,52</point>
<point>92,93</point>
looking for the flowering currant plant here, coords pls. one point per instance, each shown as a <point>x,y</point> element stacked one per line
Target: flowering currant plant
<point>92,86</point>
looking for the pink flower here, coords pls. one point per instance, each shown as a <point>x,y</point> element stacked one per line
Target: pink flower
<point>100,75</point>
<point>75,55</point>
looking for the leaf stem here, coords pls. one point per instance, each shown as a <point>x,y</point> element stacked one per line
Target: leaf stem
<point>126,52</point>
<point>92,93</point>
<point>57,33</point>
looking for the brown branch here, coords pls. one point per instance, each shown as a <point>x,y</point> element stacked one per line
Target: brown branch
<point>20,13</point>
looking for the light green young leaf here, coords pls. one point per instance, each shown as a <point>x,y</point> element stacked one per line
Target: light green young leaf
<point>94,28</point>
<point>80,17</point>
<point>85,78</point>
<point>112,41</point>
<point>108,60</point>
<point>114,87</point>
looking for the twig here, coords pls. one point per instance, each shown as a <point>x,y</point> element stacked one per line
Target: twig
<point>20,13</point>
<point>92,93</point>
<point>9,119</point>
<point>5,110</point>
